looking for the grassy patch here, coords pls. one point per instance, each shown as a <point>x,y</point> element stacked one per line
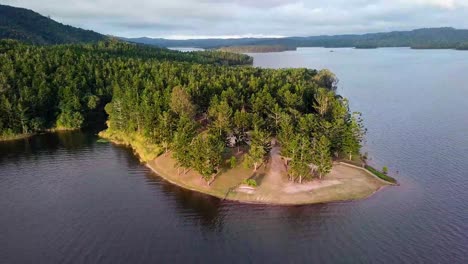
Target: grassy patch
<point>250,182</point>
<point>145,149</point>
<point>380,174</point>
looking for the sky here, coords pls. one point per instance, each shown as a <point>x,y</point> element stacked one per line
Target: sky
<point>181,19</point>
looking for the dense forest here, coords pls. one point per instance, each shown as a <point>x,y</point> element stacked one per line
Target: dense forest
<point>30,27</point>
<point>44,87</point>
<point>193,103</point>
<point>197,111</point>
<point>428,38</point>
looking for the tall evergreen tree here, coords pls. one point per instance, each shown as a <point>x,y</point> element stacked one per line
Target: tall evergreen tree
<point>183,136</point>
<point>321,156</point>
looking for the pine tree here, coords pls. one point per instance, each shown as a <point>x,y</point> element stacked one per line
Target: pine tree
<point>186,131</point>
<point>321,156</point>
<point>207,151</point>
<point>260,147</point>
<point>301,157</point>
<point>241,122</point>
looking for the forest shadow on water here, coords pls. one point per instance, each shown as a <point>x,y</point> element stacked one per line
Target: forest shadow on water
<point>71,181</point>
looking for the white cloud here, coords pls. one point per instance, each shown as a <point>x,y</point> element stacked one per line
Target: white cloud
<point>210,18</point>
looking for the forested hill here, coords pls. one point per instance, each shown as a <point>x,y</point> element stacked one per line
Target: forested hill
<point>30,27</point>
<point>418,38</point>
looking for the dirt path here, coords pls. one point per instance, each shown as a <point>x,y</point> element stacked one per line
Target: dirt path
<point>342,183</point>
<point>274,177</point>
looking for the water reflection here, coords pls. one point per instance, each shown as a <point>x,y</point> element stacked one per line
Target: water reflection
<point>65,198</point>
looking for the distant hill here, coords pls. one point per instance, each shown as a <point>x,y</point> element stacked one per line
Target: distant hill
<point>256,48</point>
<point>428,38</point>
<point>199,43</point>
<point>30,27</point>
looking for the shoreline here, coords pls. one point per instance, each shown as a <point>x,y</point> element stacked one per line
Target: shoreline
<point>255,202</point>
<point>16,137</point>
<point>345,183</point>
<point>28,135</point>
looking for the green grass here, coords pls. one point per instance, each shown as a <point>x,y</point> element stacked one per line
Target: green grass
<point>101,140</point>
<point>143,146</point>
<point>380,174</point>
<point>250,182</point>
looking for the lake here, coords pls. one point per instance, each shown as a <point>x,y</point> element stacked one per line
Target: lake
<point>64,198</point>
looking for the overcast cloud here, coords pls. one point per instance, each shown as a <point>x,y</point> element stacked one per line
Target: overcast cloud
<point>237,18</point>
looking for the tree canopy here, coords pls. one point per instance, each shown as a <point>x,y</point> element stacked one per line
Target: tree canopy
<point>195,104</point>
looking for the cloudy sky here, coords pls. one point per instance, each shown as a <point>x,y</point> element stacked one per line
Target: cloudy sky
<point>238,18</point>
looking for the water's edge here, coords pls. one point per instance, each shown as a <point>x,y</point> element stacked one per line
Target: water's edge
<point>242,198</point>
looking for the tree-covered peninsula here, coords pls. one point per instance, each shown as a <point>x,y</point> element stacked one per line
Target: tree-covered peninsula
<point>195,113</point>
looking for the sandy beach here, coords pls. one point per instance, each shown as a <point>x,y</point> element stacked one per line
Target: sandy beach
<point>343,183</point>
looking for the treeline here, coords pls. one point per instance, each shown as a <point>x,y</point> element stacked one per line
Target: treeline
<point>44,87</point>
<point>256,48</point>
<point>197,111</point>
<point>191,104</point>
<point>424,38</point>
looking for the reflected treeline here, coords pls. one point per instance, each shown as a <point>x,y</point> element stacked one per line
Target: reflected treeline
<point>206,210</point>
<point>49,143</point>
<point>202,210</point>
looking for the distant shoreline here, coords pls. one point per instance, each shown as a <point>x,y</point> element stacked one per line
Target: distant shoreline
<point>256,48</point>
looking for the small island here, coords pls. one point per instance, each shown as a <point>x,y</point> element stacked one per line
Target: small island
<point>207,120</point>
<point>279,144</point>
<point>256,48</point>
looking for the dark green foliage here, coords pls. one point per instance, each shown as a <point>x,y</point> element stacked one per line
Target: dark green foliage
<point>207,151</point>
<point>183,137</point>
<point>31,27</point>
<point>61,86</point>
<point>241,124</point>
<point>190,103</point>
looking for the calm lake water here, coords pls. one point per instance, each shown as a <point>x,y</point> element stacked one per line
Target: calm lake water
<point>64,198</point>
